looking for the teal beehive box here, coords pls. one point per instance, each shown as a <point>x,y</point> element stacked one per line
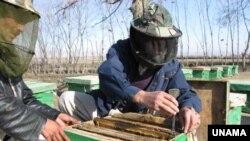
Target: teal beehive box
<point>125,127</point>
<point>215,72</point>
<point>82,83</point>
<point>188,73</point>
<point>235,69</point>
<point>239,86</point>
<point>42,91</point>
<point>201,72</point>
<point>227,70</point>
<point>214,95</point>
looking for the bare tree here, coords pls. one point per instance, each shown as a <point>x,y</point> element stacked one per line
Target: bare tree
<point>244,54</point>
<point>186,27</point>
<point>210,29</point>
<point>137,8</point>
<point>177,18</point>
<point>43,63</point>
<point>203,43</point>
<point>233,12</point>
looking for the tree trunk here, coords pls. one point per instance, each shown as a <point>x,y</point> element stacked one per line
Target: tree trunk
<point>137,8</point>
<point>244,54</point>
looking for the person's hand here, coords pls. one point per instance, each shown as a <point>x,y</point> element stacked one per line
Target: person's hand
<point>189,119</point>
<point>157,100</point>
<point>53,132</point>
<point>64,120</point>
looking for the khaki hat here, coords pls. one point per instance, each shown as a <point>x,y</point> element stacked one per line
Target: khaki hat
<point>26,4</point>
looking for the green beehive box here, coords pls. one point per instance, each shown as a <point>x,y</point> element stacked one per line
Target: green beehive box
<point>234,115</point>
<point>201,72</point>
<point>76,135</point>
<point>242,87</point>
<point>235,69</point>
<point>42,91</point>
<point>215,72</point>
<point>124,128</point>
<point>188,73</point>
<point>227,71</point>
<point>82,83</point>
<point>214,95</point>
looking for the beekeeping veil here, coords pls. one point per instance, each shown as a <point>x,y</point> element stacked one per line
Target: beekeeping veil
<point>153,37</point>
<point>18,35</point>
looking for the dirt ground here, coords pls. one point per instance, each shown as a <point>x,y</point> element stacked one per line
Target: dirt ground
<point>58,78</point>
<point>241,76</point>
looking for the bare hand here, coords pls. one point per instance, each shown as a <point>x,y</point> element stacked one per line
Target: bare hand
<point>190,119</point>
<point>158,100</point>
<point>64,120</point>
<point>53,132</point>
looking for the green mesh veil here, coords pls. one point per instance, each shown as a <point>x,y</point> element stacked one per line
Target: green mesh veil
<point>18,35</point>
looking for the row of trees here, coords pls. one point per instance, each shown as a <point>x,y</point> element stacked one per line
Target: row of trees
<point>76,34</point>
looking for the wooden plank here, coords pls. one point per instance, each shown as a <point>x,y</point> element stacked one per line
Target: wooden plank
<point>144,118</point>
<point>214,97</point>
<point>90,127</point>
<point>138,128</point>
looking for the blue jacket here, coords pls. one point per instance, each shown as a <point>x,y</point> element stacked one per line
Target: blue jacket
<point>117,73</point>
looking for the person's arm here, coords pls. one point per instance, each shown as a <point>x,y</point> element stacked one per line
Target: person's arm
<point>113,79</point>
<point>18,120</point>
<point>188,97</point>
<point>189,102</point>
<point>61,118</point>
<point>32,102</point>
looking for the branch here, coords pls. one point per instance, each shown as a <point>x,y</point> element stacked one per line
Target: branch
<point>105,18</point>
<point>66,7</point>
<point>112,1</point>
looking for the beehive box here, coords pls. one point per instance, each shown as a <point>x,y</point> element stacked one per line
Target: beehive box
<point>235,69</point>
<point>227,70</point>
<point>82,83</point>
<point>188,73</point>
<point>201,72</point>
<point>236,102</point>
<point>214,95</point>
<point>127,126</point>
<point>42,91</point>
<point>215,72</point>
<point>240,86</point>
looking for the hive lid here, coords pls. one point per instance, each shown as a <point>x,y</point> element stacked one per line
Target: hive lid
<point>39,87</point>
<point>239,85</point>
<point>86,80</point>
<point>201,68</point>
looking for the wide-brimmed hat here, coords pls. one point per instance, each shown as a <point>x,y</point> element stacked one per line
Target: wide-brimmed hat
<point>156,21</point>
<point>25,4</point>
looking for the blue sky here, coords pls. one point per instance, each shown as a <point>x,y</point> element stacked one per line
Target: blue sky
<point>191,26</point>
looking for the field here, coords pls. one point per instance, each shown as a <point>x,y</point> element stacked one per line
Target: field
<point>50,74</point>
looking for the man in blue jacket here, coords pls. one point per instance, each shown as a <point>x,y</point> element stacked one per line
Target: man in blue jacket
<point>138,73</point>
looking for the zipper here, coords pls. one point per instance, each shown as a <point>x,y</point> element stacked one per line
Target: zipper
<point>12,87</point>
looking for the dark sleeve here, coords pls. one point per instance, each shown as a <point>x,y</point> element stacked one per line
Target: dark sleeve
<point>113,79</point>
<point>36,105</point>
<point>18,120</point>
<point>188,97</point>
